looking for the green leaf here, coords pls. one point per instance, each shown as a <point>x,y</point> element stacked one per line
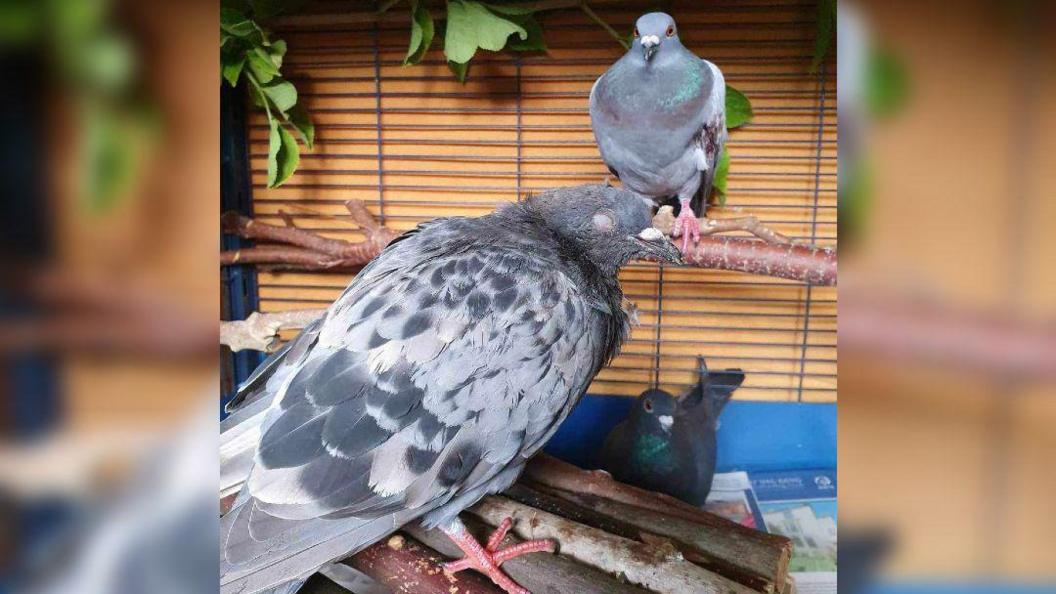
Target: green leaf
<point>460,70</point>
<point>236,24</point>
<point>287,157</point>
<point>274,145</point>
<point>232,69</point>
<point>300,120</point>
<point>261,65</point>
<point>738,108</point>
<point>825,29</point>
<point>886,83</point>
<point>470,25</point>
<point>422,32</point>
<point>281,93</point>
<point>721,172</point>
<point>534,42</point>
<point>276,51</point>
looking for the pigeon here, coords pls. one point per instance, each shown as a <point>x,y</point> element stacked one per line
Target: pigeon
<point>659,118</point>
<point>444,366</point>
<point>667,444</point>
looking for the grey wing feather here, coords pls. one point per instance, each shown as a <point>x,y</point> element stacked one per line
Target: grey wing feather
<point>413,392</point>
<point>713,134</point>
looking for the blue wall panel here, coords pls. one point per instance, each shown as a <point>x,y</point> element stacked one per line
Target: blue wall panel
<point>752,435</point>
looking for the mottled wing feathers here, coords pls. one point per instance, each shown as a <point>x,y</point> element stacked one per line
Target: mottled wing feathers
<point>426,379</point>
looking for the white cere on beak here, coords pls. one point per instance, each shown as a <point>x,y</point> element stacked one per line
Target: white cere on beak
<point>651,234</point>
<point>650,40</point>
<point>666,421</point>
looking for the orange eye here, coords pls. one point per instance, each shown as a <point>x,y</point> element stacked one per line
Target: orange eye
<point>648,405</point>
<point>636,32</point>
<point>670,30</point>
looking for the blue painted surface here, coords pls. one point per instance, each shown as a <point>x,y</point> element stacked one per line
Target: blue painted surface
<point>753,436</point>
<point>239,282</point>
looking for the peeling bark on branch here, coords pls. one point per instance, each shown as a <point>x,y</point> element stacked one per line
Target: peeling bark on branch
<point>743,550</point>
<point>405,566</point>
<point>260,332</point>
<point>808,264</point>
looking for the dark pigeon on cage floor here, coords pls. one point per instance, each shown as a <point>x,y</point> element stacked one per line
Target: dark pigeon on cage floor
<point>444,366</point>
<point>668,444</point>
<point>659,117</point>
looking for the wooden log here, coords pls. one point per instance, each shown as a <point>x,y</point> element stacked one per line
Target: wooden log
<point>540,573</point>
<point>755,552</point>
<point>694,540</point>
<point>656,566</point>
<point>406,566</point>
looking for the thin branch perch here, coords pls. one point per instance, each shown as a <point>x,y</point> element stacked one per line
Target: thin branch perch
<point>300,249</point>
<point>260,332</point>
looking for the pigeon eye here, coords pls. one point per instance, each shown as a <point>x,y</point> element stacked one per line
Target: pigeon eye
<point>605,221</point>
<point>648,405</point>
<point>636,32</point>
<point>670,30</point>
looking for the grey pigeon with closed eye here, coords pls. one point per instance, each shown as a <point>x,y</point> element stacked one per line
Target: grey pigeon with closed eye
<point>659,118</point>
<point>444,366</point>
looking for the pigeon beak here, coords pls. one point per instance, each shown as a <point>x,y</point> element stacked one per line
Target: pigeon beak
<point>650,43</point>
<point>666,421</point>
<point>653,245</point>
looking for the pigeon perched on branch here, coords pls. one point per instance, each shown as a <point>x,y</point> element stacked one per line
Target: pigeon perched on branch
<point>667,444</point>
<point>444,366</point>
<point>659,117</point>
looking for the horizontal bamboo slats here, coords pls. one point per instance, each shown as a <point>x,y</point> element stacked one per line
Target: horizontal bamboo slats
<point>520,125</point>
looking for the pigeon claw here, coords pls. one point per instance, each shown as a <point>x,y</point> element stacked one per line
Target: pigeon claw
<point>687,226</point>
<point>488,558</point>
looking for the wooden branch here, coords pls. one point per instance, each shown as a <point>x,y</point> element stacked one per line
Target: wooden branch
<point>746,561</point>
<point>247,228</point>
<point>539,573</point>
<point>808,264</point>
<point>749,551</point>
<point>404,565</point>
<point>260,332</point>
<point>300,249</point>
<point>664,220</point>
<point>282,256</point>
<point>776,255</point>
<point>656,566</point>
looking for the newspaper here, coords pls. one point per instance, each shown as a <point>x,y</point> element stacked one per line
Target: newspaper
<point>799,504</point>
<point>731,497</point>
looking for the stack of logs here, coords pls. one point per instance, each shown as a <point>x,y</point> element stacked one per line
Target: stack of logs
<point>612,539</point>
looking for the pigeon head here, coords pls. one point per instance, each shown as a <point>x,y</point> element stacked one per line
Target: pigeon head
<point>654,411</point>
<point>609,226</point>
<point>653,32</point>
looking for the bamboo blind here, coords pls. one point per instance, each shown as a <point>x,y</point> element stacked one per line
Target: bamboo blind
<point>520,124</point>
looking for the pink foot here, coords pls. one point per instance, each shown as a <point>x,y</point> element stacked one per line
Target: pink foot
<point>487,559</point>
<point>687,226</point>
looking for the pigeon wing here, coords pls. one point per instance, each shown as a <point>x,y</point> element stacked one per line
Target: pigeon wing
<point>713,132</point>
<point>425,381</point>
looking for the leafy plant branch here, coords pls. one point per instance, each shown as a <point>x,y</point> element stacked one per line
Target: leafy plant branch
<point>247,53</point>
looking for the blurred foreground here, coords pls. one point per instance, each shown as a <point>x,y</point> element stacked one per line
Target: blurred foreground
<point>108,295</point>
<point>947,321</point>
